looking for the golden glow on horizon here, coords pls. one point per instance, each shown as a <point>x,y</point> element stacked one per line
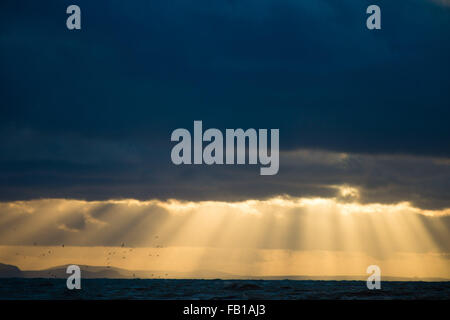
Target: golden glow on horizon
<point>278,236</point>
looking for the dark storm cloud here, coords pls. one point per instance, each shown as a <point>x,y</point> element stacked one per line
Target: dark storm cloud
<point>89,113</point>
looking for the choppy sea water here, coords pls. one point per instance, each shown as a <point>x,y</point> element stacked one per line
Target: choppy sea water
<point>218,289</point>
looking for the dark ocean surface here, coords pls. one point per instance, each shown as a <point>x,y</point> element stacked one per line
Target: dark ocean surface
<point>18,288</point>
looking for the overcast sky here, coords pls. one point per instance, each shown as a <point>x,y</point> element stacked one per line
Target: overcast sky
<point>88,114</point>
<point>363,118</point>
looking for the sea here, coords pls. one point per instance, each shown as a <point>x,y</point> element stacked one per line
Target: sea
<point>186,289</point>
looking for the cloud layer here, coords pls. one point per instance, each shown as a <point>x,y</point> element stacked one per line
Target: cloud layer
<point>88,114</point>
<point>298,224</point>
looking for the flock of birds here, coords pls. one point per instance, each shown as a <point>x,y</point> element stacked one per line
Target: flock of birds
<point>109,257</point>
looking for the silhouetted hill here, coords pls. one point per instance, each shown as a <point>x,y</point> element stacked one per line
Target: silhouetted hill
<point>97,272</point>
<point>9,271</point>
<point>87,272</point>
